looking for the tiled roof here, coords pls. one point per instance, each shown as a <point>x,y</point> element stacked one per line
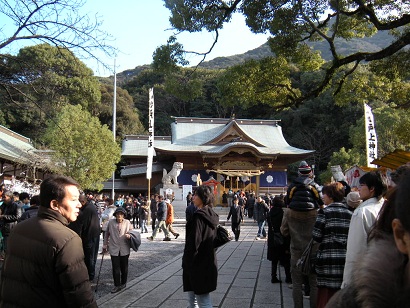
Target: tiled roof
<point>139,169</point>
<point>15,147</point>
<point>137,145</point>
<point>193,134</point>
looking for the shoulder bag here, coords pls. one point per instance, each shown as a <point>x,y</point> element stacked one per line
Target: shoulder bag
<point>306,263</point>
<point>222,236</point>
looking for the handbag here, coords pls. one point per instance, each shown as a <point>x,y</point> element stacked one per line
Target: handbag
<point>222,236</point>
<point>306,263</point>
<point>277,239</point>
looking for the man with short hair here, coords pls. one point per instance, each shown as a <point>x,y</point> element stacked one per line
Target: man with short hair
<point>32,210</point>
<point>25,199</point>
<point>9,215</point>
<point>87,226</point>
<point>236,212</point>
<point>161,217</point>
<point>371,190</point>
<point>44,264</point>
<point>261,210</point>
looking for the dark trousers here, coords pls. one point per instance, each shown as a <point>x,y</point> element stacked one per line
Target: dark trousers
<point>285,262</point>
<point>250,212</point>
<point>153,223</point>
<point>236,229</point>
<point>135,221</point>
<point>120,269</point>
<point>90,255</point>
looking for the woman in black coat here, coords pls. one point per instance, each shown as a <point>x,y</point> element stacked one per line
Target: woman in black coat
<point>278,251</point>
<point>199,265</point>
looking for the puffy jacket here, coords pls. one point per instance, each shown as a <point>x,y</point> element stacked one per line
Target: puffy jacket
<point>303,195</point>
<point>44,265</point>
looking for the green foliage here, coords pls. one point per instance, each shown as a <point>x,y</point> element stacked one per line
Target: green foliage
<point>319,125</point>
<point>45,79</point>
<point>184,87</point>
<point>266,81</point>
<point>176,95</point>
<point>392,128</point>
<point>345,159</point>
<point>84,149</point>
<point>127,117</point>
<point>365,85</point>
<point>294,24</point>
<point>191,16</point>
<point>167,57</point>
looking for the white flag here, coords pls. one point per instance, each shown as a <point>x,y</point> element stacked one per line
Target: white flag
<point>150,133</point>
<point>371,137</point>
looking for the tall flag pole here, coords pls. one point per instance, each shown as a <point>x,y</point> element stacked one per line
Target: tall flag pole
<point>371,137</point>
<point>114,121</point>
<point>150,139</point>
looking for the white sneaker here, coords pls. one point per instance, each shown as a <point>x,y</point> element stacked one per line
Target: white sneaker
<point>290,286</point>
<point>306,296</point>
<point>257,238</point>
<point>263,237</point>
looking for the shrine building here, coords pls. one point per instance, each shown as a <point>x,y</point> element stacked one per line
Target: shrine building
<point>231,153</point>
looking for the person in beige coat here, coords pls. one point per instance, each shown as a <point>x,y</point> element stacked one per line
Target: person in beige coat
<point>117,238</point>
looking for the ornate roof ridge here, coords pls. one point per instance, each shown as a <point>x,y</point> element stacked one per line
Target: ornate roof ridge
<point>224,121</point>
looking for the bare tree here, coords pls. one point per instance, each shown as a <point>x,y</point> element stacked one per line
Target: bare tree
<point>56,22</point>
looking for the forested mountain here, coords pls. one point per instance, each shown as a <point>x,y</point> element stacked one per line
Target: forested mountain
<point>354,45</point>
<point>369,44</point>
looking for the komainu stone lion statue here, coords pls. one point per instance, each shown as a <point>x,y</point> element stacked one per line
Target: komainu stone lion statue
<point>170,177</point>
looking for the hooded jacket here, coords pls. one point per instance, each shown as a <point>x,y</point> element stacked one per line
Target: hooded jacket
<point>44,265</point>
<point>199,264</point>
<point>378,280</point>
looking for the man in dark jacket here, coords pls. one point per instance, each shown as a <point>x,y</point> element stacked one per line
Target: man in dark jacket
<point>44,264</point>
<point>261,209</point>
<point>87,226</point>
<point>10,214</point>
<point>161,217</point>
<point>250,202</point>
<point>236,213</point>
<point>32,210</point>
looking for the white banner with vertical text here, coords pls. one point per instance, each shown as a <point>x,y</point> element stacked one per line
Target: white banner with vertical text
<point>150,133</point>
<point>371,137</point>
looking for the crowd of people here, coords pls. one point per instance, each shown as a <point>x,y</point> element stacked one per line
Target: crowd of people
<point>356,240</point>
<point>340,227</point>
